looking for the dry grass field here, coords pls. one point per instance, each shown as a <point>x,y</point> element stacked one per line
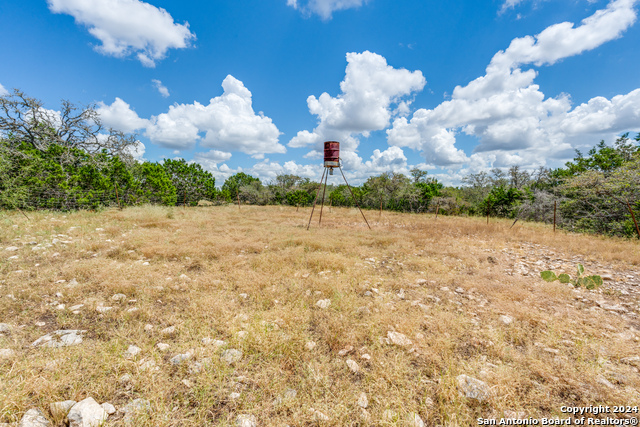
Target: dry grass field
<point>409,307</point>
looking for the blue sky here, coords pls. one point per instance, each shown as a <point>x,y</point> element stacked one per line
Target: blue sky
<point>257,86</point>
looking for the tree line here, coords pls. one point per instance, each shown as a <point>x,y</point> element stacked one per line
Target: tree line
<point>68,160</point>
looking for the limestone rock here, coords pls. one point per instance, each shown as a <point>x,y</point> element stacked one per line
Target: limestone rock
<point>323,303</point>
<point>348,349</point>
<point>244,420</point>
<point>7,353</point>
<point>319,416</point>
<point>415,420</point>
<point>473,388</point>
<point>170,331</point>
<point>399,339</point>
<point>355,368</point>
<point>119,297</point>
<point>147,364</point>
<point>59,338</point>
<point>125,379</point>
<point>162,346</point>
<point>179,358</point>
<point>231,356</point>
<point>61,409</point>
<point>5,328</point>
<point>108,408</point>
<point>507,320</point>
<point>87,413</point>
<point>132,352</point>
<point>34,418</point>
<point>363,402</point>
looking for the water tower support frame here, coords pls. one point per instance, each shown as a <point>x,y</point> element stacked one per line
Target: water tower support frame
<point>325,177</point>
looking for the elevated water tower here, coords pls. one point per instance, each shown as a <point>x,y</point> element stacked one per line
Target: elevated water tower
<point>331,161</point>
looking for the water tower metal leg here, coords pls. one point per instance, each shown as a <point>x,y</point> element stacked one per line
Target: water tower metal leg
<point>316,199</point>
<point>326,177</point>
<point>354,197</point>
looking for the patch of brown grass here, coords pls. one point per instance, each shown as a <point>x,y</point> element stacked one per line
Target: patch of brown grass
<point>443,283</point>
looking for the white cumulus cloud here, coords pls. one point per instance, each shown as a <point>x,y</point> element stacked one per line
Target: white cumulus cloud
<point>228,123</point>
<point>128,27</point>
<point>369,92</point>
<point>120,116</point>
<point>3,91</point>
<point>324,8</point>
<point>162,89</point>
<point>509,113</point>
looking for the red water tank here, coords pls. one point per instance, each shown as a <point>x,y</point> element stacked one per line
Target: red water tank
<point>331,154</point>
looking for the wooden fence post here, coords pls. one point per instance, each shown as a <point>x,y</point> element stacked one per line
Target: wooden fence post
<point>555,206</point>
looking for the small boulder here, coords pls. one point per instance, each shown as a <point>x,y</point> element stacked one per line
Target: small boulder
<point>355,368</point>
<point>108,408</point>
<point>61,409</point>
<point>87,413</point>
<point>119,297</point>
<point>399,339</point>
<point>323,303</point>
<point>34,418</point>
<point>59,338</point>
<point>507,320</point>
<point>170,331</point>
<point>363,402</point>
<point>414,420</point>
<point>132,352</point>
<point>473,388</point>
<point>179,358</point>
<point>244,420</point>
<point>231,356</point>
<point>7,353</point>
<point>162,346</point>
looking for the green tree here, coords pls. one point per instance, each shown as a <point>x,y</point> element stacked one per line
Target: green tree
<point>299,198</point>
<point>502,201</point>
<point>155,186</point>
<point>231,187</point>
<point>192,183</point>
